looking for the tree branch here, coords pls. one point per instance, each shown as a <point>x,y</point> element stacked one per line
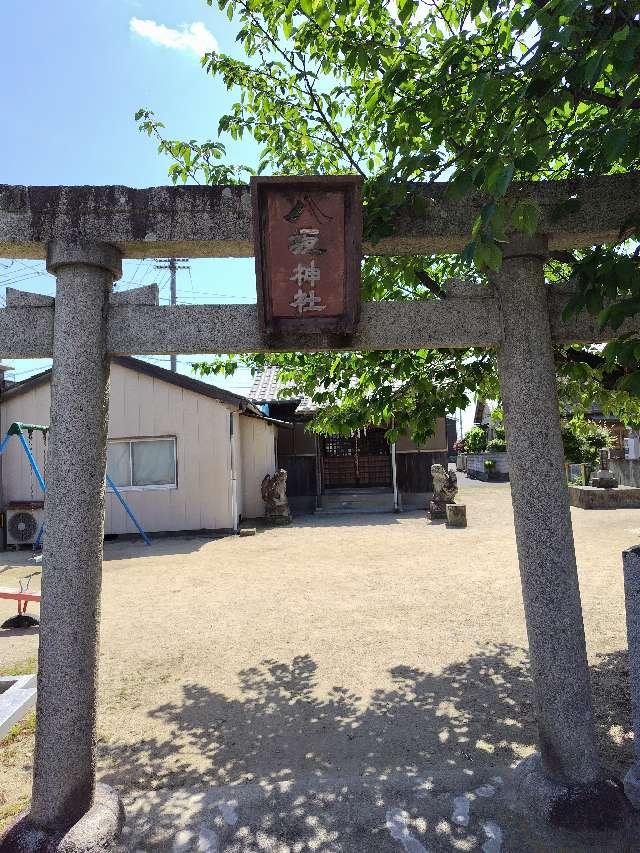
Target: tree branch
<point>610,378</point>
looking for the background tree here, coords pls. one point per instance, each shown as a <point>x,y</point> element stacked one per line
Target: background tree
<point>481,93</point>
<point>583,440</point>
<point>476,440</point>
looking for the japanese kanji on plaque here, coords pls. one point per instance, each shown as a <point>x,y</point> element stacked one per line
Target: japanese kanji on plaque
<point>308,248</point>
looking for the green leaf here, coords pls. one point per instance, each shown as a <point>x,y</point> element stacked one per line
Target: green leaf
<point>631,384</point>
<point>615,142</point>
<point>499,182</point>
<point>469,252</point>
<point>488,254</point>
<point>526,216</point>
<point>405,10</point>
<point>528,162</point>
<point>592,68</point>
<point>621,34</point>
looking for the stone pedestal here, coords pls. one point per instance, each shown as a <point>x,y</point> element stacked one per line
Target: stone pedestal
<point>631,569</point>
<point>456,515</point>
<point>64,802</point>
<point>278,519</point>
<point>604,479</point>
<point>95,832</point>
<point>437,510</point>
<point>565,785</point>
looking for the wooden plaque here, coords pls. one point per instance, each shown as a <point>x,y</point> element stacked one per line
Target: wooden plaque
<point>308,248</point>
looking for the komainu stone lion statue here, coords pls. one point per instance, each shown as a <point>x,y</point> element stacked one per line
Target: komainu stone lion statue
<point>274,495</point>
<point>445,489</point>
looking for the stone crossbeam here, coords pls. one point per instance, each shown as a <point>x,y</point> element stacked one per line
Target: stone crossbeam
<point>27,331</point>
<point>195,221</point>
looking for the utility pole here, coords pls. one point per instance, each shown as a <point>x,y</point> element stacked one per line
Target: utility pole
<point>172,264</point>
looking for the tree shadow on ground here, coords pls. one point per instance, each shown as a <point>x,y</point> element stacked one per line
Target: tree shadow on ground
<point>612,706</point>
<point>128,546</point>
<point>285,765</point>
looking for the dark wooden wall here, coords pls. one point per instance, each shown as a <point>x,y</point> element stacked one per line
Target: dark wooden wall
<point>301,474</point>
<point>413,470</point>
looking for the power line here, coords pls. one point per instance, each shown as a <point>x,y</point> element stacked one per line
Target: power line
<point>19,276</point>
<point>137,270</point>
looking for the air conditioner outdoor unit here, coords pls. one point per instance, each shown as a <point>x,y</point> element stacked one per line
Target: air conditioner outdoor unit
<point>23,520</point>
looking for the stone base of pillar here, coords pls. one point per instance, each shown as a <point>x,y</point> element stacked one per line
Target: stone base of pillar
<point>632,786</point>
<point>597,807</point>
<point>96,832</point>
<point>631,568</point>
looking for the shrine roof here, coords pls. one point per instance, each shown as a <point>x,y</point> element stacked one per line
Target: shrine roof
<point>266,388</point>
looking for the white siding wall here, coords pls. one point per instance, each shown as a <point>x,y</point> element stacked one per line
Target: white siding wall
<point>31,408</point>
<point>145,407</point>
<point>258,441</point>
<point>237,465</point>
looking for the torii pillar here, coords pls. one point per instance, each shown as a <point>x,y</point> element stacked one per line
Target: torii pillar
<point>68,812</point>
<point>564,783</point>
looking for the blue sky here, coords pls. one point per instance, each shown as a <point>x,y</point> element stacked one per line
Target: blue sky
<point>74,73</point>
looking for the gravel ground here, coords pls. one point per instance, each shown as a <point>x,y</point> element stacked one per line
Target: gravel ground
<point>381,656</point>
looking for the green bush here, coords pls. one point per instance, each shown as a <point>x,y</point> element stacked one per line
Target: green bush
<point>583,441</point>
<point>601,437</point>
<point>497,445</point>
<point>476,440</point>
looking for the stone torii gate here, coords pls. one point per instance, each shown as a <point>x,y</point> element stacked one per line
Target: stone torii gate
<point>84,232</point>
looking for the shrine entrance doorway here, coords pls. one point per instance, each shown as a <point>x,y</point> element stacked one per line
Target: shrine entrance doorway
<point>360,461</point>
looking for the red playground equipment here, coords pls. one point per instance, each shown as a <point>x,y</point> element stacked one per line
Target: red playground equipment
<point>23,596</point>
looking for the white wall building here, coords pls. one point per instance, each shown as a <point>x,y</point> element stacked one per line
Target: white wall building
<point>187,456</point>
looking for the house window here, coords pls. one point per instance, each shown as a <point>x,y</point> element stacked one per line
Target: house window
<point>143,463</point>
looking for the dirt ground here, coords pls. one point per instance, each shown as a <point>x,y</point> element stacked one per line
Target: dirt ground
<point>381,654</point>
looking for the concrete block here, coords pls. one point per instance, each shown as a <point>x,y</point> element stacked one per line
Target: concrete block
<point>65,751</point>
<point>216,221</point>
<point>145,328</point>
<point>631,570</point>
<point>456,515</point>
<point>548,573</point>
<point>23,299</point>
<point>148,294</point>
<point>590,497</point>
<point>17,698</point>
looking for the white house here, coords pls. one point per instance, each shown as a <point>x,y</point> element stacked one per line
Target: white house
<point>187,456</point>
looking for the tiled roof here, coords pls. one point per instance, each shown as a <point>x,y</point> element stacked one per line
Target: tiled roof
<point>266,387</point>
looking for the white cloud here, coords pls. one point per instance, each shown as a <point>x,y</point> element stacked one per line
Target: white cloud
<point>194,37</point>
